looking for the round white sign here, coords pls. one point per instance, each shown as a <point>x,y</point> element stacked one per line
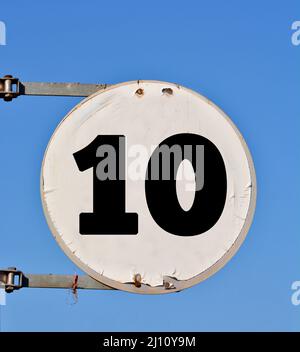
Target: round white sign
<point>148,187</point>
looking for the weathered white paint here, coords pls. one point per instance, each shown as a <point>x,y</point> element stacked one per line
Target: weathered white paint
<point>145,120</point>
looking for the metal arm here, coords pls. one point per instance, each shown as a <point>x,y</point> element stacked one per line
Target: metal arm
<point>13,279</point>
<point>11,87</point>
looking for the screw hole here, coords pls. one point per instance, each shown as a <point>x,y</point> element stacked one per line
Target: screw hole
<point>137,280</point>
<point>167,91</point>
<point>139,92</point>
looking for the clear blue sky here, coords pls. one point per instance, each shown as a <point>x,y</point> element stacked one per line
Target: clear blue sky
<point>237,53</point>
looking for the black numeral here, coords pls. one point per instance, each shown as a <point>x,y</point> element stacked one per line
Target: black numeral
<point>109,215</point>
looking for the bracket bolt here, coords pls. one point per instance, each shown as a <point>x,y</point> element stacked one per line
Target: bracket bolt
<point>139,92</point>
<point>168,285</point>
<point>137,280</point>
<point>167,91</point>
<point>10,280</point>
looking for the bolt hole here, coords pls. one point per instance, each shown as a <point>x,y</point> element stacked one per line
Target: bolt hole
<point>167,91</point>
<point>168,285</point>
<point>139,92</point>
<point>137,280</point>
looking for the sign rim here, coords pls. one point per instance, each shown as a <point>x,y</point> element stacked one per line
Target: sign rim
<point>179,284</point>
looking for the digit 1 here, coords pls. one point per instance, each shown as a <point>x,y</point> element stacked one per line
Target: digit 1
<point>106,155</point>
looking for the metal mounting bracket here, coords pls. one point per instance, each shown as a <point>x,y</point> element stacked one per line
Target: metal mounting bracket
<point>12,279</point>
<point>11,88</point>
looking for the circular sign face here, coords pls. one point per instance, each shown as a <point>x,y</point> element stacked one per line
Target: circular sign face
<point>148,187</point>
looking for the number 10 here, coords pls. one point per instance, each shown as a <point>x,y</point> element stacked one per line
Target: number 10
<point>109,216</point>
